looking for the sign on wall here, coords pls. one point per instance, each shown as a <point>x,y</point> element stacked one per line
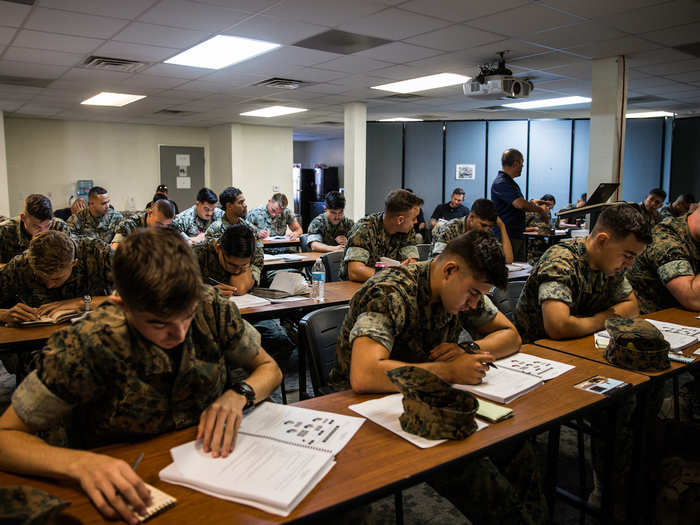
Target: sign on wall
<point>465,171</point>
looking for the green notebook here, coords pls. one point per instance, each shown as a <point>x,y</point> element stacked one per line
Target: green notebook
<point>493,412</point>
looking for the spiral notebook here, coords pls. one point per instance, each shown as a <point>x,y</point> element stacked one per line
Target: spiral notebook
<point>160,502</point>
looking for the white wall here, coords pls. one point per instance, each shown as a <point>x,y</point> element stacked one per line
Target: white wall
<point>4,183</point>
<point>221,167</point>
<point>330,152</point>
<point>49,156</point>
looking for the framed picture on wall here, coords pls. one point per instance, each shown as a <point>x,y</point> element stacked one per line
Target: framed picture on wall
<point>465,171</point>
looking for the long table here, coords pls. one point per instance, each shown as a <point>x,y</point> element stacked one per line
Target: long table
<point>307,259</point>
<point>281,243</point>
<point>375,463</point>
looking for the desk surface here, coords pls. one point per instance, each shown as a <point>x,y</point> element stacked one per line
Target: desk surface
<point>374,463</point>
<point>280,243</point>
<point>584,347</point>
<point>307,259</point>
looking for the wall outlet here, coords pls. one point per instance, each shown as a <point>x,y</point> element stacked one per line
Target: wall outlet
<point>275,188</point>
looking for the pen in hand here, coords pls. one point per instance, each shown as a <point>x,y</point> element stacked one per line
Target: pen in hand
<point>470,350</point>
<point>138,460</point>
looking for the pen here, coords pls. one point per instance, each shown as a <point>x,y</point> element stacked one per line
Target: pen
<point>214,281</point>
<point>470,350</point>
<point>138,460</point>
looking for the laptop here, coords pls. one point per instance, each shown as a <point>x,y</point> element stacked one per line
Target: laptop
<point>602,193</point>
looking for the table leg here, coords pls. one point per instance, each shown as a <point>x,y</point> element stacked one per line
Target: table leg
<point>552,471</point>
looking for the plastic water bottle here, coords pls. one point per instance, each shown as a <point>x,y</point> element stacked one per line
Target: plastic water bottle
<point>318,281</point>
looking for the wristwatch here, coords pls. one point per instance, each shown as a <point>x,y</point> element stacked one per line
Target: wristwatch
<point>246,390</point>
<point>470,347</point>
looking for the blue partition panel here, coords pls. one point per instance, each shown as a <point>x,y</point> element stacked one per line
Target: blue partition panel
<point>465,143</point>
<point>579,182</point>
<point>642,161</point>
<point>668,142</point>
<point>550,159</point>
<point>423,167</point>
<point>384,158</point>
<point>502,135</point>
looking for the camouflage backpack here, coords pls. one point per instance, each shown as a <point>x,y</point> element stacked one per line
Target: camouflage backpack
<point>636,344</point>
<point>23,505</point>
<point>431,407</point>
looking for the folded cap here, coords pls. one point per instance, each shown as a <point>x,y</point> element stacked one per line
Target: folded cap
<point>636,344</point>
<point>431,407</point>
<point>28,506</point>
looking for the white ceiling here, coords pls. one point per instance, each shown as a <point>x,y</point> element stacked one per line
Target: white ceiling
<point>550,41</point>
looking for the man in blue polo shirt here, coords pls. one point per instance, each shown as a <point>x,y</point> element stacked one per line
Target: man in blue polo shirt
<point>510,202</point>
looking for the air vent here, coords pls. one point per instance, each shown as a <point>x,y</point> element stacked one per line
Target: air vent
<point>403,96</point>
<point>26,81</point>
<point>492,108</point>
<point>282,83</point>
<point>114,64</point>
<point>175,112</point>
<point>645,99</point>
<point>341,42</point>
<point>264,102</point>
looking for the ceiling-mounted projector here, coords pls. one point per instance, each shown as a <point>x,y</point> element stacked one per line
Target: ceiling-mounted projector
<point>495,80</point>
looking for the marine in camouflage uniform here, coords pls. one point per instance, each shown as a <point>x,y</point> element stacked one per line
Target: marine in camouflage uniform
<point>393,308</point>
<point>218,227</point>
<point>91,275</point>
<point>191,224</point>
<point>672,253</point>
<point>262,219</point>
<point>210,266</point>
<point>126,388</point>
<point>323,230</point>
<point>368,241</point>
<point>564,274</point>
<point>14,238</point>
<point>667,212</point>
<point>83,224</point>
<point>127,226</point>
<point>653,217</point>
<point>446,231</point>
<point>536,247</point>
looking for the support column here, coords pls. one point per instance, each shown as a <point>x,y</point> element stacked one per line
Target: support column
<point>355,149</point>
<point>4,182</point>
<point>608,108</point>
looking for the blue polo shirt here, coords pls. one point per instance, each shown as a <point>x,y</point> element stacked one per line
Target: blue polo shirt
<point>504,191</point>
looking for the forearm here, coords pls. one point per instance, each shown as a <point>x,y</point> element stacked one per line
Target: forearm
<point>628,309</point>
<point>572,327</point>
<point>500,343</point>
<point>243,282</point>
<point>374,379</point>
<point>359,272</point>
<point>505,241</point>
<point>686,290</point>
<point>318,246</point>
<point>264,379</point>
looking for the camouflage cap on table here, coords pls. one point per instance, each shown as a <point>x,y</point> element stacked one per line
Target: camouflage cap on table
<point>636,344</point>
<point>431,407</point>
<point>24,505</point>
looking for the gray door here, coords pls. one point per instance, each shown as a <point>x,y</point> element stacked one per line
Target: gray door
<point>182,171</point>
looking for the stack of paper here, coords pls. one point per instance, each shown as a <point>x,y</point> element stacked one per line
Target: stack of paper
<point>248,301</point>
<point>291,282</point>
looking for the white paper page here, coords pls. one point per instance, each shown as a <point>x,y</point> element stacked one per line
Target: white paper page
<point>273,257</point>
<point>385,412</point>
<point>290,282</point>
<point>290,299</point>
<point>503,385</point>
<point>560,232</point>
<point>248,300</point>
<point>545,369</point>
<point>304,426</point>
<point>291,257</point>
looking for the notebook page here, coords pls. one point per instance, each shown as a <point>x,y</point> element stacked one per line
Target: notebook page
<point>545,369</point>
<point>503,385</point>
<point>248,301</point>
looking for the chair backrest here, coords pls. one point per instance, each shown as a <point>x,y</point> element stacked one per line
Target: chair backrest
<point>318,335</point>
<point>514,290</point>
<point>502,301</point>
<point>424,251</point>
<point>331,261</point>
<point>303,241</point>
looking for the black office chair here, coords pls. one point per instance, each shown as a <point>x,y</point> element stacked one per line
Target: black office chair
<point>304,243</point>
<point>515,288</point>
<point>502,301</point>
<point>331,261</point>
<point>424,251</point>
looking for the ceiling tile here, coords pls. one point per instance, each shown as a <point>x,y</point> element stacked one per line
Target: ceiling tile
<point>609,48</point>
<point>25,69</point>
<point>160,35</point>
<point>128,9</point>
<point>206,87</point>
<point>190,15</point>
<point>570,36</point>
<point>54,42</point>
<point>323,12</point>
<point>657,56</point>
<point>246,5</point>
<point>669,68</point>
<point>135,51</point>
<point>13,14</point>
<point>394,24</point>
<point>42,56</point>
<point>459,10</point>
<point>9,106</point>
<point>455,37</point>
<point>398,52</point>
<point>173,70</point>
<point>690,76</point>
<point>352,64</point>
<point>152,81</point>
<point>6,34</point>
<point>525,20</point>
<point>310,74</point>
<point>326,88</point>
<point>598,8</point>
<point>675,36</point>
<point>656,17</point>
<point>94,76</point>
<point>547,60</point>
<point>396,72</point>
<point>514,49</point>
<point>271,29</point>
<point>74,24</point>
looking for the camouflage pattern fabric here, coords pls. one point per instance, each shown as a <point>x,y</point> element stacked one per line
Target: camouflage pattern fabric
<point>91,275</point>
<point>126,388</point>
<point>652,217</point>
<point>536,247</point>
<point>672,253</point>
<point>211,267</point>
<point>431,407</point>
<point>443,233</point>
<point>85,225</point>
<point>322,230</point>
<point>22,505</point>
<point>127,226</point>
<point>14,239</point>
<point>636,344</point>
<point>368,241</point>
<point>261,218</point>
<point>393,308</point>
<point>563,274</point>
<point>191,224</point>
<point>667,212</point>
<point>219,226</point>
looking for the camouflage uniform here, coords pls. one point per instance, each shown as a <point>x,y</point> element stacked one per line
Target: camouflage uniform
<point>445,232</point>
<point>536,247</point>
<point>563,274</point>
<point>393,308</point>
<point>191,224</point>
<point>672,253</point>
<point>14,239</point>
<point>127,226</point>
<point>84,224</point>
<point>322,230</point>
<point>209,263</point>
<point>24,505</point>
<point>261,218</point>
<point>667,212</point>
<point>368,241</point>
<point>218,227</point>
<point>91,275</point>
<point>652,217</point>
<point>124,387</point>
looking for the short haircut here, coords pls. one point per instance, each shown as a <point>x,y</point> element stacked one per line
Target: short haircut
<point>38,206</point>
<point>621,220</point>
<point>50,252</point>
<point>281,199</point>
<point>584,196</point>
<point>658,192</point>
<point>548,197</point>
<point>206,195</point>
<point>95,191</point>
<point>165,207</point>
<point>335,200</point>
<point>688,198</point>
<point>238,241</point>
<point>458,191</point>
<point>229,195</point>
<point>510,157</point>
<point>401,201</point>
<point>485,210</point>
<point>156,271</point>
<point>158,197</point>
<point>482,254</point>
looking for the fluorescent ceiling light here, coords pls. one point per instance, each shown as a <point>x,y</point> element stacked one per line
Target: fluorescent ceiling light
<point>649,114</point>
<point>273,111</point>
<point>221,51</point>
<point>424,83</point>
<point>112,99</point>
<point>548,103</point>
<point>401,119</point>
